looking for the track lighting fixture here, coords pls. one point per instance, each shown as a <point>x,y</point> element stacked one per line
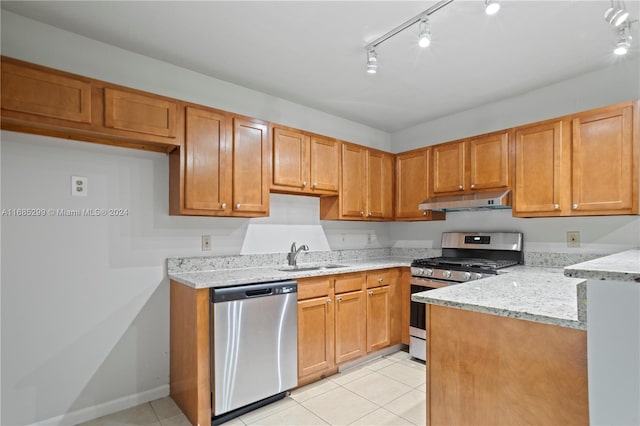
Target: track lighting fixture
<point>372,61</point>
<point>491,7</point>
<point>624,40</point>
<point>424,35</point>
<point>616,14</point>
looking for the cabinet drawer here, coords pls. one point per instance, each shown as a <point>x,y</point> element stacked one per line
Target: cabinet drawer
<point>379,278</point>
<point>313,287</point>
<point>134,112</point>
<point>349,282</point>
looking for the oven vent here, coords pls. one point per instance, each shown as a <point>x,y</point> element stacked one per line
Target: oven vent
<point>476,201</point>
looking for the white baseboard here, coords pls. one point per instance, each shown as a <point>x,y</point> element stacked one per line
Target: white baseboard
<point>85,414</point>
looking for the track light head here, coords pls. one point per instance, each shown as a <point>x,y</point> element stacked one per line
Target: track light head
<point>491,7</point>
<point>372,61</point>
<point>424,34</point>
<point>624,40</point>
<point>616,15</point>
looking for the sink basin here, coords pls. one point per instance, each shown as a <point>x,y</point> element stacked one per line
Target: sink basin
<point>310,268</point>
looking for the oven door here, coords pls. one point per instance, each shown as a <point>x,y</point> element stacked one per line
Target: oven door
<point>418,317</point>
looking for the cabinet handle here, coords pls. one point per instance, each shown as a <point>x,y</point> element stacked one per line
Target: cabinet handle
<point>304,184</point>
<point>575,206</point>
<point>370,292</point>
<point>424,213</point>
<point>237,206</point>
<point>361,213</point>
<point>460,187</point>
<point>339,299</point>
<point>314,185</point>
<point>224,205</point>
<point>556,206</point>
<point>472,186</point>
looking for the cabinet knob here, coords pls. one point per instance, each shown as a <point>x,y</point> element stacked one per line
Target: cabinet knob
<point>361,213</point>
<point>224,205</point>
<point>314,185</point>
<point>556,206</point>
<point>370,214</point>
<point>370,292</point>
<point>460,187</point>
<point>575,207</point>
<point>473,186</point>
<point>328,301</point>
<point>237,206</point>
<point>424,213</point>
<point>304,184</point>
<point>339,299</point>
<point>380,279</point>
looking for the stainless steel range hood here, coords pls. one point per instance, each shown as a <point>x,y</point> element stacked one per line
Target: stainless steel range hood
<point>476,201</point>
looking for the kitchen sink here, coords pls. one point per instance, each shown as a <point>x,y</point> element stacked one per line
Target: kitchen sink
<point>310,268</point>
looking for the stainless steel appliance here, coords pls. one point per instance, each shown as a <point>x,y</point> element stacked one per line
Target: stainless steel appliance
<point>254,356</point>
<point>466,256</point>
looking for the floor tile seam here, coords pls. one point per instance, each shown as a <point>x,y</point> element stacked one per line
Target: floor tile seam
<point>389,402</point>
<point>399,381</point>
<point>351,392</point>
<point>260,418</point>
<point>395,399</point>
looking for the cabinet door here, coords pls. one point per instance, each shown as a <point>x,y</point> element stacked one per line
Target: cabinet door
<point>45,94</point>
<point>353,181</point>
<point>250,153</point>
<point>325,163</point>
<point>206,185</point>
<point>134,112</point>
<point>603,155</point>
<point>378,318</point>
<point>315,336</point>
<point>448,167</point>
<point>412,183</point>
<point>379,173</point>
<point>350,326</point>
<point>539,164</point>
<point>290,159</point>
<point>489,161</point>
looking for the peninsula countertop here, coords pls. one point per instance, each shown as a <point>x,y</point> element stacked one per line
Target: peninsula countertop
<point>536,294</point>
<point>624,266</point>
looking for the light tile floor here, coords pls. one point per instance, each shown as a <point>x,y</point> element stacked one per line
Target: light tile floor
<point>386,391</point>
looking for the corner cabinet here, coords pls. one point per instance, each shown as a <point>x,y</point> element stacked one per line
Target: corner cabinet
<point>479,163</point>
<point>304,163</point>
<point>412,186</point>
<point>366,186</point>
<point>579,165</point>
<point>222,169</point>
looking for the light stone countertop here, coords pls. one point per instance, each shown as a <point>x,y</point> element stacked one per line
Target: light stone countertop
<point>251,275</point>
<point>624,266</point>
<point>530,293</point>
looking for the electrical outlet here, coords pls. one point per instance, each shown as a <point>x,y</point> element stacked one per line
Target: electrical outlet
<point>79,186</point>
<point>573,238</point>
<point>206,243</point>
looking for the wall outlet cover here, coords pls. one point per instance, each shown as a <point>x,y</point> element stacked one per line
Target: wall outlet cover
<point>573,239</point>
<point>79,186</point>
<point>206,243</point>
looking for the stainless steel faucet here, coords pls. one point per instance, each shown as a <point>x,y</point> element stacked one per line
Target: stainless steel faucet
<point>293,253</point>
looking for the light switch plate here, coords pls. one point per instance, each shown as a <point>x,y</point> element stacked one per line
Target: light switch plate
<point>573,239</point>
<point>206,243</point>
<point>79,186</point>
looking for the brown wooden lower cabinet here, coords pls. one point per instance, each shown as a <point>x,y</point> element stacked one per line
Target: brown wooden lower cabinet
<point>485,369</point>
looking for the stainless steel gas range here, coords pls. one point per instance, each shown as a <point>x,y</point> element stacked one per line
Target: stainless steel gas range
<point>466,256</point>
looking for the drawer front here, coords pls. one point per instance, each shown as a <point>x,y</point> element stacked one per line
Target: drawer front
<point>309,288</point>
<point>349,282</point>
<point>379,278</point>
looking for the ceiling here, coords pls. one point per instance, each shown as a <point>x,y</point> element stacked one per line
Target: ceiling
<point>312,53</point>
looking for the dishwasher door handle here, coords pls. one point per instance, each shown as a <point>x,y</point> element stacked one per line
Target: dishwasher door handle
<point>261,292</point>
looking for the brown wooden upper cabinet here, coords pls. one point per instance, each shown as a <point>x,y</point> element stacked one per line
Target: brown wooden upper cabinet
<point>584,164</point>
<point>468,165</point>
<point>304,163</point>
<point>412,186</point>
<point>46,101</point>
<point>366,186</point>
<point>223,167</point>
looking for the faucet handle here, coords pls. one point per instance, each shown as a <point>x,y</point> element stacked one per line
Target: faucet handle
<point>293,246</point>
<point>305,247</point>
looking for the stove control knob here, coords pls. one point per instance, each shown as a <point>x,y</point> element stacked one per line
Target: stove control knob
<point>428,272</point>
<point>467,276</point>
<point>477,276</point>
<point>446,274</point>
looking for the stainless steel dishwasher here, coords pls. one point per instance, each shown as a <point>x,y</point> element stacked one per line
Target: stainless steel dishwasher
<point>254,350</point>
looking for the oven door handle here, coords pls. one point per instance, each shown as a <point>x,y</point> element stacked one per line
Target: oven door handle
<point>430,282</point>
